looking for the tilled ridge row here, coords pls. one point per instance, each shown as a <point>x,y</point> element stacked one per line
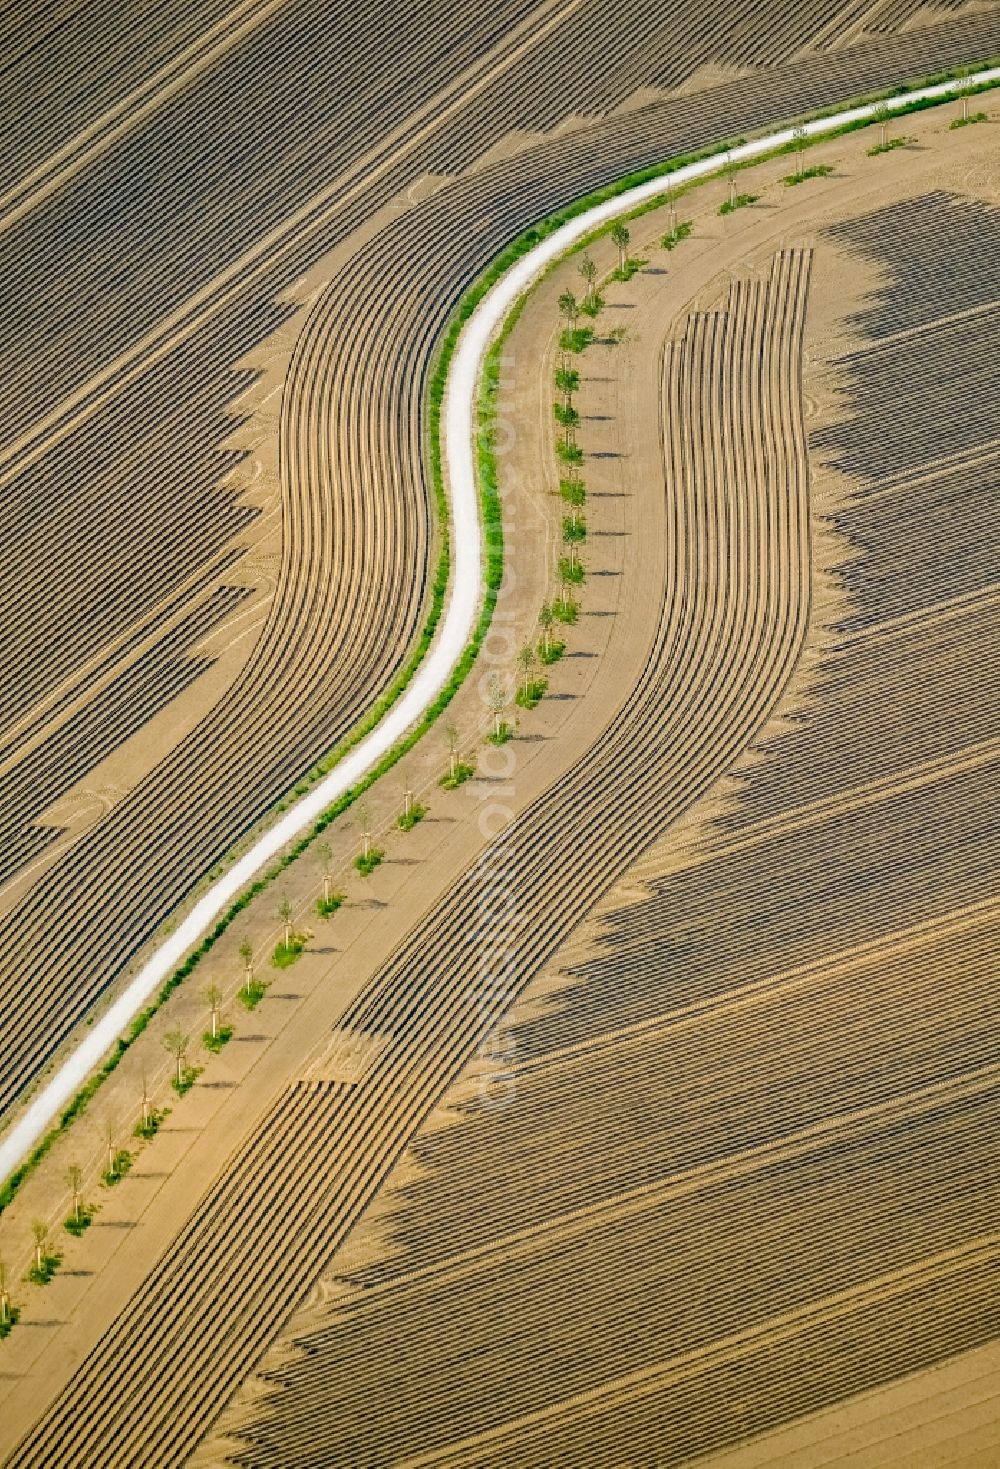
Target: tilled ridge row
<point>77,960</point>
<point>733,618</point>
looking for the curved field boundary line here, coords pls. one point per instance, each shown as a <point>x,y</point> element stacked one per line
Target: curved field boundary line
<point>488,306</point>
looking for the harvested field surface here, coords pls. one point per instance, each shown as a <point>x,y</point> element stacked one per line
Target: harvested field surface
<point>650,1221</point>
<point>313,245</point>
<point>736,451</point>
<point>948,1414</point>
<point>744,1163</point>
<point>120,708</point>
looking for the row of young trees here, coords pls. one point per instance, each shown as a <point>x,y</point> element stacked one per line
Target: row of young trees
<point>118,1154</point>
<point>576,335</point>
<point>563,606</point>
<point>530,687</point>
<point>46,1257</point>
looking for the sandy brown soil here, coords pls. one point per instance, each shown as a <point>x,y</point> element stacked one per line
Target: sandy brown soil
<point>125,415</point>
<point>948,1416</point>
<point>306,1000</point>
<point>291,1028</point>
<point>390,1240</point>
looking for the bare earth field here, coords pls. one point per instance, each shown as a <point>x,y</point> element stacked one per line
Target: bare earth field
<point>668,1119</point>
<point>729,1159</point>
<point>211,463</point>
<point>736,1160</point>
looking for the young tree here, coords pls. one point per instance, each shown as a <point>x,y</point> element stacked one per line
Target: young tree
<point>620,235</point>
<point>110,1131</point>
<point>526,658</point>
<point>589,272</point>
<point>496,698</point>
<point>671,197</point>
<point>213,998</point>
<point>407,803</point>
<point>567,382</point>
<point>74,1178</point>
<point>147,1111</point>
<point>799,139</point>
<point>365,827</point>
<point>731,169</point>
<point>176,1043</point>
<point>573,491</point>
<point>451,734</point>
<point>569,540</point>
<point>325,854</point>
<point>246,954</point>
<point>568,308</point>
<point>546,618</point>
<point>285,915</point>
<point>40,1230</point>
<point>575,495</point>
<point>4,1296</point>
<point>568,417</point>
<point>882,117</point>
